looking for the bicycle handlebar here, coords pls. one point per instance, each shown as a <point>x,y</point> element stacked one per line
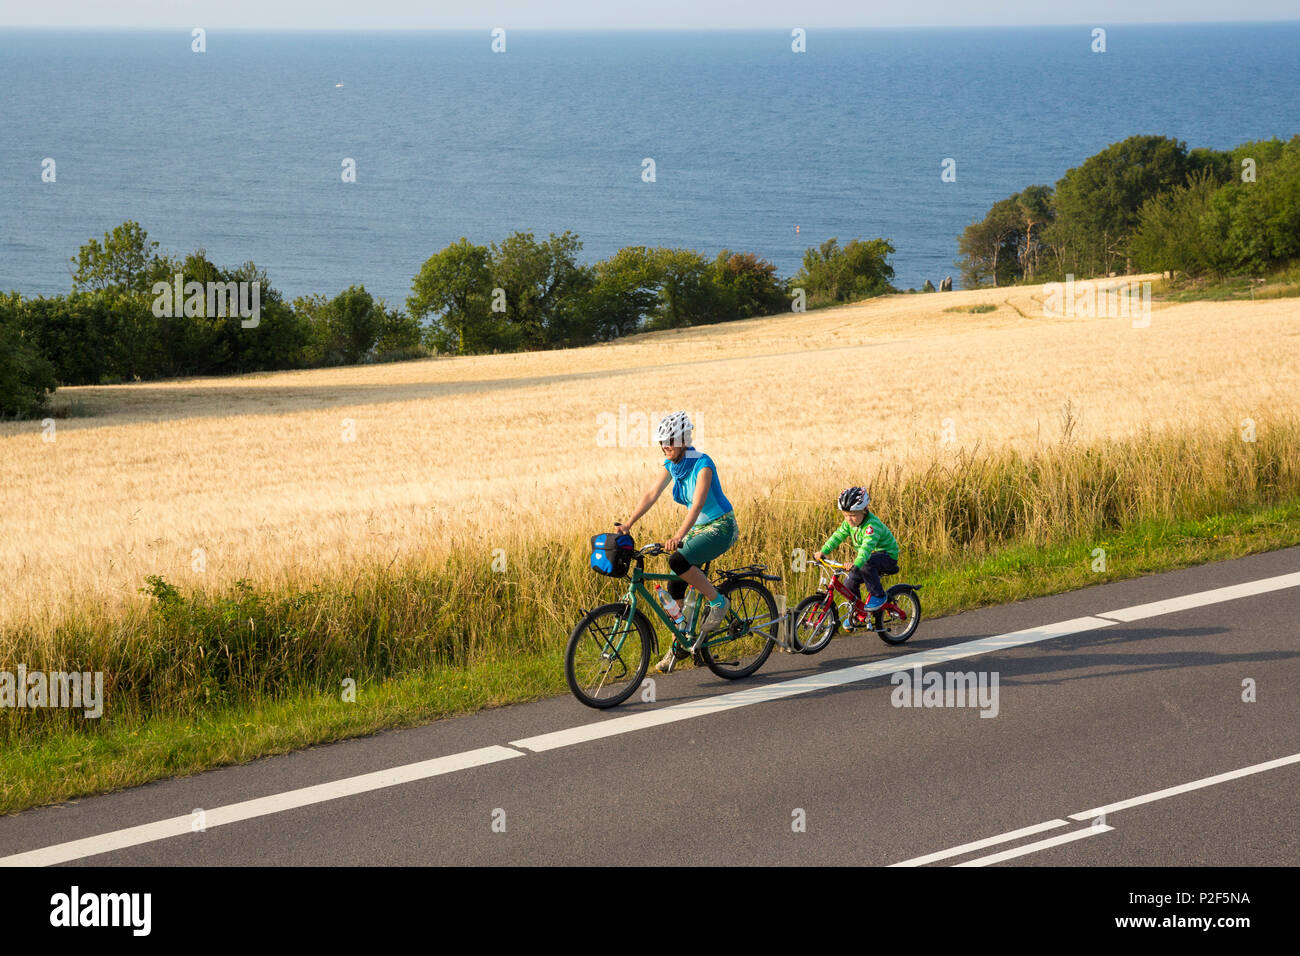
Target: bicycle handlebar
<point>827,563</point>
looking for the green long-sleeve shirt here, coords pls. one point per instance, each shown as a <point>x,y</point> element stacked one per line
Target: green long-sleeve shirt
<point>871,535</point>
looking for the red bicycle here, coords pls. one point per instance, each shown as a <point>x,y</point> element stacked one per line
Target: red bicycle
<point>817,619</point>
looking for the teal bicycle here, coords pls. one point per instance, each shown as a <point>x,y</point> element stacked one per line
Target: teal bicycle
<point>609,649</point>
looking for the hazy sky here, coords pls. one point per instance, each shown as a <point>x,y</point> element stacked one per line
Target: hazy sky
<point>609,14</point>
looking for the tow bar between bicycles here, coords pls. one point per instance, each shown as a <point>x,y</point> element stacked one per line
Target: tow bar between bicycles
<point>783,625</point>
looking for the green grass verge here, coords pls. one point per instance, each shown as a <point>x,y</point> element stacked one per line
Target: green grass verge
<point>1281,284</point>
<point>63,763</point>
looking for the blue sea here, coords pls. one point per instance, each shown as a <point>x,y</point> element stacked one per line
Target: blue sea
<point>239,149</point>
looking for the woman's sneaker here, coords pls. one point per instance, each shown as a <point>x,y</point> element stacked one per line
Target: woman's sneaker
<point>670,660</point>
<point>717,614</point>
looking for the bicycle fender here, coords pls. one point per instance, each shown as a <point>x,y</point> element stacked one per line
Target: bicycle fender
<point>654,631</point>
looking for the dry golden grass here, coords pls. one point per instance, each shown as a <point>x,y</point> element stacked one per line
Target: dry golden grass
<point>255,471</point>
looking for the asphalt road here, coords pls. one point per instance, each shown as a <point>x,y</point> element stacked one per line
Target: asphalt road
<point>832,774</point>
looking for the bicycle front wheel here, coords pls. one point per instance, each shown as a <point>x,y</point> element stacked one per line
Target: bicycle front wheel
<point>815,623</point>
<point>743,642</point>
<point>607,656</point>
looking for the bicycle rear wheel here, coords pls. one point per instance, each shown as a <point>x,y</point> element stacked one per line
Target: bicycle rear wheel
<point>743,642</point>
<point>607,656</point>
<point>891,628</point>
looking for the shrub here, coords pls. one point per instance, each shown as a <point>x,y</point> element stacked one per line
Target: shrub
<point>26,377</point>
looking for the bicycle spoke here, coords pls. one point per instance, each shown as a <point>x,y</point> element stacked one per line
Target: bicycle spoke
<point>608,654</point>
<point>608,651</point>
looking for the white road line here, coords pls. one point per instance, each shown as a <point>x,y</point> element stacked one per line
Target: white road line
<point>1035,847</point>
<point>803,685</point>
<point>276,803</point>
<point>1089,815</point>
<point>1201,598</point>
<point>981,844</point>
<point>177,826</point>
<point>1185,787</point>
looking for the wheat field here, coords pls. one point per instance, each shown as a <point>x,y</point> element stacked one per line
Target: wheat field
<point>295,476</point>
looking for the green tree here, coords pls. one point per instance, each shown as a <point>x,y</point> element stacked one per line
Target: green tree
<point>1263,151</point>
<point>355,321</point>
<point>280,338</point>
<point>139,345</point>
<point>686,294</point>
<point>990,249</point>
<point>542,282</point>
<point>313,315</point>
<point>867,267</point>
<point>622,295</point>
<point>1034,204</point>
<point>1264,216</point>
<point>834,274</point>
<point>748,286</point>
<point>198,344</point>
<point>399,334</point>
<point>454,287</point>
<point>1173,232</point>
<point>76,334</point>
<point>26,376</point>
<point>1097,203</point>
<point>1215,163</point>
<point>126,260</point>
<point>343,330</point>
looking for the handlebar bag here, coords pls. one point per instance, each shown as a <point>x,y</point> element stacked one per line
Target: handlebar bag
<point>611,554</point>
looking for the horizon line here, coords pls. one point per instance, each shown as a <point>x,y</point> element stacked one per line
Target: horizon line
<point>638,29</point>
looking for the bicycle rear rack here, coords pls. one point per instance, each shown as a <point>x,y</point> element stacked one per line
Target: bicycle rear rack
<point>750,571</point>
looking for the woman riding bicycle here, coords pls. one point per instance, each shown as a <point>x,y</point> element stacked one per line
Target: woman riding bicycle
<point>708,530</point>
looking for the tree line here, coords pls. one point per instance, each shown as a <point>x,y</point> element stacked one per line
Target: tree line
<point>1146,204</point>
<point>121,322</point>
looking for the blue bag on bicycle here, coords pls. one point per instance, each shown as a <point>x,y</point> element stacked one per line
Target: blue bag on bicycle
<point>611,554</point>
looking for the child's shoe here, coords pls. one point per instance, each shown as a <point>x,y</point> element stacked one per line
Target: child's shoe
<point>876,603</point>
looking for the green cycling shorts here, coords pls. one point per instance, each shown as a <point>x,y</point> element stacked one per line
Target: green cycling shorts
<point>709,540</point>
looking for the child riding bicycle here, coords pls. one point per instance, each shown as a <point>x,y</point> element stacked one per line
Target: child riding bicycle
<point>877,548</point>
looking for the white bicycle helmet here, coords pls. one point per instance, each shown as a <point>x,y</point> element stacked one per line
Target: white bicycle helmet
<point>854,499</point>
<point>675,429</point>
